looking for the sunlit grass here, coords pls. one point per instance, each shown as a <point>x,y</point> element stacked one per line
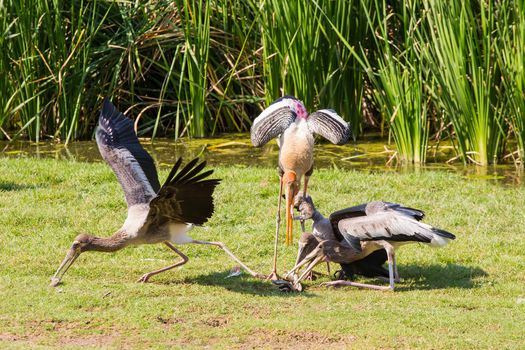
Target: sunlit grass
<point>466,295</point>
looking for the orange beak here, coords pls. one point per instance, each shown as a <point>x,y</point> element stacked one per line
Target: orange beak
<point>289,179</point>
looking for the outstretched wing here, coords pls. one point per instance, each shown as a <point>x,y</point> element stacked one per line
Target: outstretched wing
<point>121,149</point>
<point>379,206</point>
<point>186,196</point>
<point>337,216</point>
<point>391,226</point>
<point>328,124</point>
<point>274,120</point>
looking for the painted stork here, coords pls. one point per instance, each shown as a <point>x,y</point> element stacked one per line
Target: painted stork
<point>354,233</point>
<point>352,262</point>
<point>155,214</point>
<point>288,119</point>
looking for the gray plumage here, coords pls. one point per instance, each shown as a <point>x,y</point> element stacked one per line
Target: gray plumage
<point>365,228</point>
<point>275,119</point>
<point>155,214</point>
<point>388,222</point>
<point>328,124</point>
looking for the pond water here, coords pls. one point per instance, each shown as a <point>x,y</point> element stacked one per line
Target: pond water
<point>368,154</point>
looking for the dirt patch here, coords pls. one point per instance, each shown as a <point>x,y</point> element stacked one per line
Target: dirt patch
<point>281,339</point>
<point>65,333</point>
<point>98,340</point>
<point>169,321</point>
<point>216,322</point>
<point>17,338</point>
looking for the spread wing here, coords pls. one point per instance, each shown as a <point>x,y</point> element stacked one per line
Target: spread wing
<point>391,226</point>
<point>121,149</point>
<point>337,216</point>
<point>379,206</point>
<point>186,196</point>
<point>273,120</point>
<point>328,124</point>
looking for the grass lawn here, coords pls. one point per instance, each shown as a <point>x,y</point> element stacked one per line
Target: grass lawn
<point>467,295</point>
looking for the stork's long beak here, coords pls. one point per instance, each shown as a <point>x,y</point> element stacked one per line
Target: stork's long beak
<point>289,179</point>
<point>70,258</point>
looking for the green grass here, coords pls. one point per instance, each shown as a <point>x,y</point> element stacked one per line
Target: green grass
<point>463,296</point>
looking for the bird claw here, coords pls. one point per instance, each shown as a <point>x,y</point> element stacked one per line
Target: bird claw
<point>273,277</point>
<point>144,278</point>
<point>54,282</point>
<point>287,286</point>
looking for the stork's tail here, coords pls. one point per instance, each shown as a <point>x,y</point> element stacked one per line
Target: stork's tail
<point>441,237</point>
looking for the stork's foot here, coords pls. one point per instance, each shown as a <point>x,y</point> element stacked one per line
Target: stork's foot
<point>145,278</point>
<point>287,286</point>
<point>313,275</point>
<point>340,283</point>
<point>272,277</point>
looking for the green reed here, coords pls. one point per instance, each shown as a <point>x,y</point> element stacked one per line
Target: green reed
<point>304,54</point>
<point>510,53</point>
<point>397,76</point>
<point>461,58</point>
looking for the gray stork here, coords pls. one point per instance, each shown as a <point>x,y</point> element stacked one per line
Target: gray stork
<point>354,233</point>
<point>288,119</point>
<point>352,262</point>
<point>155,214</point>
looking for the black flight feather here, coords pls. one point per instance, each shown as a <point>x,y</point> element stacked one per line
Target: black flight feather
<point>117,131</point>
<point>186,196</point>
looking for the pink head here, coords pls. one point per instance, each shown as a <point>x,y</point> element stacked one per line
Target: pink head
<point>300,109</point>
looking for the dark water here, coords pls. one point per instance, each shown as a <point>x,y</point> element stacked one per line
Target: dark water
<point>370,154</point>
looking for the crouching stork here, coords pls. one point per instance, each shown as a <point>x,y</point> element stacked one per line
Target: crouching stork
<point>354,233</point>
<point>155,214</point>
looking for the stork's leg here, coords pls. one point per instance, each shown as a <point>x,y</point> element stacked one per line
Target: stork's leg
<point>184,260</point>
<point>310,268</point>
<point>306,178</point>
<point>273,276</point>
<point>295,285</point>
<point>227,251</point>
<point>391,261</point>
<point>312,255</point>
<point>353,284</point>
<point>396,274</point>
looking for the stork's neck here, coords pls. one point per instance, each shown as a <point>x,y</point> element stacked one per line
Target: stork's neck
<point>116,242</point>
<point>322,228</point>
<point>317,216</point>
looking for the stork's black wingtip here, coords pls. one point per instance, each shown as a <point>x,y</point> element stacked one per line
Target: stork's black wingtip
<point>444,233</point>
<point>106,102</point>
<point>108,108</point>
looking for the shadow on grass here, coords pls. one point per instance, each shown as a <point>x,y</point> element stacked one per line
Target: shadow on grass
<point>11,186</point>
<point>439,277</point>
<point>242,284</point>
